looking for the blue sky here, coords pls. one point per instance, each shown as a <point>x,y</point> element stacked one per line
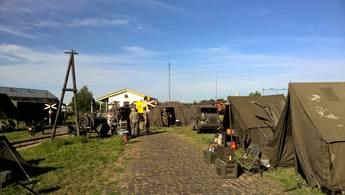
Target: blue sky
<point>247,45</point>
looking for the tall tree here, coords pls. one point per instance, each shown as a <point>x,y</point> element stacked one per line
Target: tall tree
<point>255,93</point>
<point>84,99</point>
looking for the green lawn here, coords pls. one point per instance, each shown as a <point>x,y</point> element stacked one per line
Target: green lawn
<point>202,139</point>
<point>287,177</point>
<point>16,135</point>
<point>83,166</point>
<point>292,182</point>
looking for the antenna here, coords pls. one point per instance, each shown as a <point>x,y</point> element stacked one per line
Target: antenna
<point>216,85</point>
<point>169,81</point>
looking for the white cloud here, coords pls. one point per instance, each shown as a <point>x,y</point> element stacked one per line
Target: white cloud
<point>15,32</point>
<point>98,22</point>
<point>194,76</point>
<point>24,67</point>
<point>84,22</point>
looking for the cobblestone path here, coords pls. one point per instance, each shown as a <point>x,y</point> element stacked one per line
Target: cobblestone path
<point>165,163</point>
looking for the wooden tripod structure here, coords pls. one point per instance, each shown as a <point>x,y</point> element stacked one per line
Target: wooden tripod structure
<point>70,67</point>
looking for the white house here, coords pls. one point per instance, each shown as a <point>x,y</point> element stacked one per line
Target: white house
<point>122,97</point>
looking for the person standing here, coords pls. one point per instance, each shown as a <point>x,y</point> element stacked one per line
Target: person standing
<point>134,120</point>
<point>165,120</point>
<point>139,105</point>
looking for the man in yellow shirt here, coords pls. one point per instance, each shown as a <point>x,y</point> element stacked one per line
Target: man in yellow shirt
<point>141,107</point>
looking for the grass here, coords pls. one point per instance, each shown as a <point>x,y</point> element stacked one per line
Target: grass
<point>83,166</point>
<point>200,139</point>
<point>16,135</point>
<point>291,181</point>
<point>287,177</point>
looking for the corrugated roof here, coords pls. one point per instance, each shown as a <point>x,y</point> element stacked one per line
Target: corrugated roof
<point>13,92</point>
<point>126,90</point>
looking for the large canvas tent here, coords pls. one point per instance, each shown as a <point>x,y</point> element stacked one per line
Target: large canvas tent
<point>254,118</point>
<point>182,112</point>
<point>311,133</point>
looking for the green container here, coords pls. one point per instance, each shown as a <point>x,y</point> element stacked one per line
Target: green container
<point>227,169</point>
<point>210,157</point>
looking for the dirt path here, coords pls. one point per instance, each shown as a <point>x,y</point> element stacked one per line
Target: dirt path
<point>167,164</point>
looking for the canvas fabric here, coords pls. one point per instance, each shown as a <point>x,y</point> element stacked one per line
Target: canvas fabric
<point>256,117</point>
<point>311,133</point>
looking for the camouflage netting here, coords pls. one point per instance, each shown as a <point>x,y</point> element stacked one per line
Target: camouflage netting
<point>183,113</point>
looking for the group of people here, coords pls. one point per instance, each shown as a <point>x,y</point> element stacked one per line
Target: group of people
<point>132,119</point>
<point>138,117</point>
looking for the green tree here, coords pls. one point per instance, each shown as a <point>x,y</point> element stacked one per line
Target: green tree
<point>255,93</point>
<point>84,98</point>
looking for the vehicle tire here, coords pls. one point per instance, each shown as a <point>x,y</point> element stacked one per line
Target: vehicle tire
<point>198,129</point>
<point>194,126</point>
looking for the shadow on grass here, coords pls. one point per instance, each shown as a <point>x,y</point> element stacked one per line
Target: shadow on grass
<point>207,131</point>
<point>35,161</point>
<point>49,190</point>
<point>154,132</point>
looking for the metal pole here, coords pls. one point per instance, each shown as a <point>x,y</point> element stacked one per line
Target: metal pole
<point>169,81</point>
<point>216,86</point>
<point>91,106</point>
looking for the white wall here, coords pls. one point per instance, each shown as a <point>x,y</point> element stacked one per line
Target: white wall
<point>121,98</point>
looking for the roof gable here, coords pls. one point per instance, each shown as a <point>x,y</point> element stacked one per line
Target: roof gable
<point>13,92</point>
<point>119,92</point>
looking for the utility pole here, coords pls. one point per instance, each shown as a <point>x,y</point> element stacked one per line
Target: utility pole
<point>169,81</point>
<point>216,85</point>
<point>70,67</point>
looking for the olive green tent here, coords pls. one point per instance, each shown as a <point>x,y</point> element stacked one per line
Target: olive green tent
<point>254,118</point>
<point>182,113</point>
<point>311,133</point>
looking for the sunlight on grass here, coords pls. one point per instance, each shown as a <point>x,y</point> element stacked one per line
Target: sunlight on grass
<point>16,135</point>
<point>201,139</point>
<point>83,166</point>
<point>291,181</point>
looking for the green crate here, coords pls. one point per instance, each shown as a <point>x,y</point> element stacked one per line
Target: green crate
<point>210,157</point>
<point>227,169</point>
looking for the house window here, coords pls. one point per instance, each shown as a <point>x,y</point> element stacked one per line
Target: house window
<point>126,95</point>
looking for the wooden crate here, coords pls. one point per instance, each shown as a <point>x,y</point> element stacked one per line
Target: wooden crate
<point>227,169</point>
<point>210,157</point>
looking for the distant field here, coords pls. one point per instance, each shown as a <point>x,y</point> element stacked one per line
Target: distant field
<point>83,166</point>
